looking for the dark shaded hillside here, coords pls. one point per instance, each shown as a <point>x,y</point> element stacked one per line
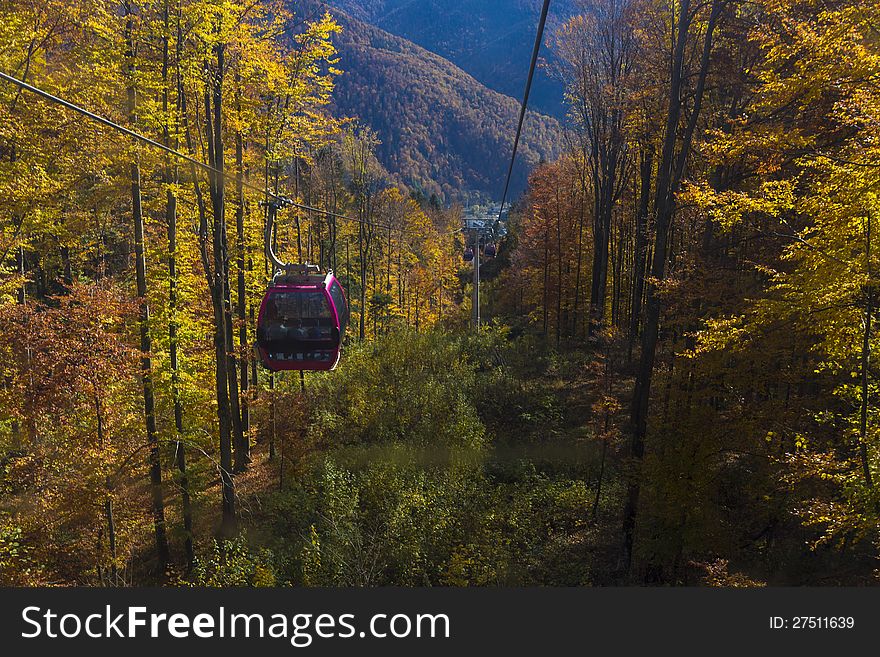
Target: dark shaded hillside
<point>489,39</point>
<point>441,130</point>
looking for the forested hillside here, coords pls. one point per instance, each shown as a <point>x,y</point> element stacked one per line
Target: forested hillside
<point>440,130</point>
<point>489,39</point>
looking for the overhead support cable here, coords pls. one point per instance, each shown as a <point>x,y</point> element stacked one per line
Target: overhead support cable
<point>281,200</point>
<point>539,38</point>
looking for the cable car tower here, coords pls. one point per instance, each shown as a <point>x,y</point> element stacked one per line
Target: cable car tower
<point>483,227</point>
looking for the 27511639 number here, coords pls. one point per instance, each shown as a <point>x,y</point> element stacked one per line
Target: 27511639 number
<point>812,623</point>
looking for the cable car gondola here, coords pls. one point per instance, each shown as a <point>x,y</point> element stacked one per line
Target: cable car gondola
<point>489,250</point>
<point>302,318</point>
<point>468,254</point>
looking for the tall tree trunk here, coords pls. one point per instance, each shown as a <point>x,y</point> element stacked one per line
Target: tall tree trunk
<point>158,501</point>
<point>21,299</point>
<point>558,267</point>
<point>111,534</point>
<point>243,450</point>
<point>580,246</point>
<point>663,216</point>
<point>646,169</point>
<point>364,250</point>
<point>669,175</point>
<point>66,264</point>
<point>22,271</point>
<point>617,269</point>
<point>219,284</point>
<point>602,235</point>
<point>172,178</point>
<point>238,436</point>
<point>546,300</point>
<point>866,362</point>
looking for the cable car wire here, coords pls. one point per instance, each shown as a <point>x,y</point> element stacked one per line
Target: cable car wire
<point>283,201</point>
<point>525,103</point>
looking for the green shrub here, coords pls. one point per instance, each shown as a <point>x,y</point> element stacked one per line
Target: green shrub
<point>231,563</point>
<point>412,388</point>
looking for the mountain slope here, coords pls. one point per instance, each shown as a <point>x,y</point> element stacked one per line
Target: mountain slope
<point>491,40</point>
<point>441,130</point>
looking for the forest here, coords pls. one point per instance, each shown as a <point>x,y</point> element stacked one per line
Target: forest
<point>674,383</point>
<point>488,39</point>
